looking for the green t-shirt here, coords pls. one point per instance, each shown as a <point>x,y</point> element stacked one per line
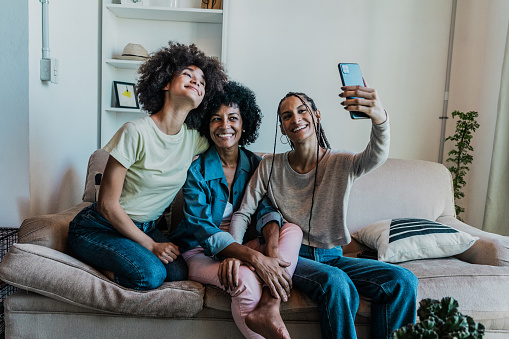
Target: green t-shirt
<point>156,164</point>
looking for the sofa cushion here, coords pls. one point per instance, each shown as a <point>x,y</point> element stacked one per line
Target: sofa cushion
<point>49,230</point>
<point>401,188</point>
<point>481,290</point>
<point>96,164</point>
<point>399,240</point>
<point>57,275</point>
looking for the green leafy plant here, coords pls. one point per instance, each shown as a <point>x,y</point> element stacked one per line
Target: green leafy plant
<point>441,319</point>
<point>459,156</point>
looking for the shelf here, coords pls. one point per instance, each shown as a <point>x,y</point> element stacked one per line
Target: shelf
<point>125,110</point>
<point>127,64</point>
<point>152,27</point>
<point>214,16</point>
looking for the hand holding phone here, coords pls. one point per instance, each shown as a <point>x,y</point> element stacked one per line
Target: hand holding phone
<point>351,76</point>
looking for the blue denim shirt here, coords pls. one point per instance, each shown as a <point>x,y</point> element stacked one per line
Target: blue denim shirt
<point>205,198</point>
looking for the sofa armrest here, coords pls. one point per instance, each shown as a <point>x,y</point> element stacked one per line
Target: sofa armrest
<point>49,230</point>
<point>491,249</point>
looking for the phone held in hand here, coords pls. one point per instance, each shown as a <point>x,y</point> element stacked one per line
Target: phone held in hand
<point>351,76</point>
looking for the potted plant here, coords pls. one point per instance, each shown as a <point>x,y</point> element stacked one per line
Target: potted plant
<point>441,319</point>
<point>459,156</point>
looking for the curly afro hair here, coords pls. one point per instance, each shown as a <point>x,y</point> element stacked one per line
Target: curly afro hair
<point>159,69</point>
<point>235,94</point>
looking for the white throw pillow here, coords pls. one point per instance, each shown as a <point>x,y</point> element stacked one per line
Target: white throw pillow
<point>398,240</point>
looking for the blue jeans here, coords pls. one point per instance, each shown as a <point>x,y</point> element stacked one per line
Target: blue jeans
<point>334,282</point>
<point>95,241</point>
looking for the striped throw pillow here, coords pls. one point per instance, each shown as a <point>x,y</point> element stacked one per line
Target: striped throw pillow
<point>404,239</point>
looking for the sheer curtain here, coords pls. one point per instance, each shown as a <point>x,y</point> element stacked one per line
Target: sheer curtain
<point>496,216</point>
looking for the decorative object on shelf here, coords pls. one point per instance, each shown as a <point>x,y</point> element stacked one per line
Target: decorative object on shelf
<point>131,2</point>
<point>212,4</point>
<point>441,319</point>
<point>125,94</point>
<point>459,156</point>
<point>133,52</point>
<point>174,3</point>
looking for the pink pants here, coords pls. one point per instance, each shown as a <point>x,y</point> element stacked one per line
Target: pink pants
<point>246,296</point>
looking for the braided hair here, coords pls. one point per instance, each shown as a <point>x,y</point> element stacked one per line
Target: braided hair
<point>320,137</point>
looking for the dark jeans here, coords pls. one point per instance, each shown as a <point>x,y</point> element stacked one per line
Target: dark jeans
<point>95,241</point>
<point>334,283</point>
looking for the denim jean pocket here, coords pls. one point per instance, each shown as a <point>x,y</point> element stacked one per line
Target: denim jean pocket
<point>89,218</point>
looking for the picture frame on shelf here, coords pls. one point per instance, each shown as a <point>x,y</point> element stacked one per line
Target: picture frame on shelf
<point>125,94</point>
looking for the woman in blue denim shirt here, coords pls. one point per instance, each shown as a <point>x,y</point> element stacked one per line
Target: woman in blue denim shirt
<point>213,191</point>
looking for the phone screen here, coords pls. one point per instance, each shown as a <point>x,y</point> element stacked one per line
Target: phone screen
<point>351,76</point>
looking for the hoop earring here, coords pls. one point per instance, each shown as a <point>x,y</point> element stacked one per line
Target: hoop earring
<point>282,140</point>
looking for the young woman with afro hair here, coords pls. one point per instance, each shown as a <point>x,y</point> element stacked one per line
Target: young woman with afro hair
<point>147,166</point>
<point>213,190</point>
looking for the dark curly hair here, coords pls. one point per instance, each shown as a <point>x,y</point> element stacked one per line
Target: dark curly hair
<point>245,99</point>
<point>159,69</point>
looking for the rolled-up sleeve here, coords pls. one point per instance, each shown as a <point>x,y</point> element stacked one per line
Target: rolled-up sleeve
<point>216,243</point>
<point>265,214</point>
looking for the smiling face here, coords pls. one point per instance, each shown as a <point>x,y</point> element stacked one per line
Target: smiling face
<point>226,127</point>
<point>296,120</point>
<point>189,83</point>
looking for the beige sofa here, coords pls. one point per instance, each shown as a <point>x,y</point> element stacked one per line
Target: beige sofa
<point>61,297</point>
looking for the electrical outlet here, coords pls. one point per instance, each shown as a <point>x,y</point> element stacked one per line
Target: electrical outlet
<point>45,69</point>
<point>49,70</point>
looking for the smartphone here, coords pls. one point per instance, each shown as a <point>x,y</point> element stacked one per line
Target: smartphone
<point>351,76</point>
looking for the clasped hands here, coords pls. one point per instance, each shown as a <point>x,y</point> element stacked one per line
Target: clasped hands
<point>271,270</point>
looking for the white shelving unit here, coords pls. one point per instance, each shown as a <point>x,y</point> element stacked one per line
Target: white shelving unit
<point>152,27</point>
<point>211,16</point>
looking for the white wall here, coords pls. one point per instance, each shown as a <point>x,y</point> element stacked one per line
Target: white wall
<point>63,116</point>
<point>400,45</point>
<point>14,173</point>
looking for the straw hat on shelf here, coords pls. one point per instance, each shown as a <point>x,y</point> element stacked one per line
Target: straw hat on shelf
<point>133,52</point>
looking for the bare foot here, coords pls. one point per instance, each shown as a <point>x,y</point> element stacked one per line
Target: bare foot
<point>266,320</point>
